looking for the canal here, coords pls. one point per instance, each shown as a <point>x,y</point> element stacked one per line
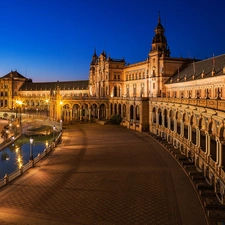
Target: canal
<point>18,153</point>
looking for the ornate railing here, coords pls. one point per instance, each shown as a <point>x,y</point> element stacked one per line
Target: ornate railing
<point>8,178</point>
<point>207,103</point>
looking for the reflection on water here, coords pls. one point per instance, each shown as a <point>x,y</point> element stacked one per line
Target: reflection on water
<point>18,153</point>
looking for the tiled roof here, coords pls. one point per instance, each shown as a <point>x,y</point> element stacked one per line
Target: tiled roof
<point>63,85</point>
<point>199,70</point>
<point>14,74</point>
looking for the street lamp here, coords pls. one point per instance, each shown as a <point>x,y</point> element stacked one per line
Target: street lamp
<point>61,125</point>
<point>31,150</point>
<point>53,133</point>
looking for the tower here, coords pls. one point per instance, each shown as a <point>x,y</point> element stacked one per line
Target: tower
<point>159,51</point>
<point>92,74</point>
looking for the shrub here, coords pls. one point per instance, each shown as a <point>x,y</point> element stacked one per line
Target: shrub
<point>116,119</point>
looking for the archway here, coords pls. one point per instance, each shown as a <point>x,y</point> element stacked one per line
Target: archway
<point>131,112</point>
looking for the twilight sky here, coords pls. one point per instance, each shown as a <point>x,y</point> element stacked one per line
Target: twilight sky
<point>50,40</point>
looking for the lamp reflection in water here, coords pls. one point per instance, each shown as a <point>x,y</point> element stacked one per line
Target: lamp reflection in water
<point>19,158</point>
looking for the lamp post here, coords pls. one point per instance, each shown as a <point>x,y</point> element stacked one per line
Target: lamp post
<point>53,133</point>
<point>61,125</point>
<point>31,148</point>
<point>20,108</point>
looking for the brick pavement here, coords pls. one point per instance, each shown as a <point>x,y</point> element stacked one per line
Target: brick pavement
<point>103,175</point>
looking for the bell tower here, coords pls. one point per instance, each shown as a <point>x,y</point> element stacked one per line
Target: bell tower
<point>159,51</point>
<point>159,42</point>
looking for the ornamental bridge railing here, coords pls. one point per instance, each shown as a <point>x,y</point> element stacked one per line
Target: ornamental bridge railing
<point>8,178</point>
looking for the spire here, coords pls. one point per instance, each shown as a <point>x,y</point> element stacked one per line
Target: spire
<point>159,20</point>
<point>159,41</point>
<point>94,57</point>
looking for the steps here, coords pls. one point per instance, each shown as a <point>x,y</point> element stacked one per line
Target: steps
<point>213,208</point>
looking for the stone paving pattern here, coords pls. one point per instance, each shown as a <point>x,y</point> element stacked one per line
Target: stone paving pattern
<point>103,175</point>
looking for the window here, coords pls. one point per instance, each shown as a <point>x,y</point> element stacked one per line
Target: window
<point>153,85</point>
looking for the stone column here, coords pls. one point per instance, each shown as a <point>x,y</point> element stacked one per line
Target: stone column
<point>98,114</point>
<point>89,114</point>
<point>168,123</point>
<point>218,153</point>
<point>157,118</point>
<point>80,114</point>
<point>207,144</point>
<point>107,113</point>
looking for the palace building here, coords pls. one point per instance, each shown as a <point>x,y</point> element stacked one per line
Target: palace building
<point>180,99</point>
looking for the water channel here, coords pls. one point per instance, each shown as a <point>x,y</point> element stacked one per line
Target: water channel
<point>18,153</point>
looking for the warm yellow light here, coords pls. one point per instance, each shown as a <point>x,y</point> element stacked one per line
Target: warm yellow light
<point>47,100</point>
<point>19,102</point>
<point>61,103</point>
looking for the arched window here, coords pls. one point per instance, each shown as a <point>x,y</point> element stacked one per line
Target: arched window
<point>131,112</point>
<point>115,91</point>
<point>137,112</point>
<point>124,110</point>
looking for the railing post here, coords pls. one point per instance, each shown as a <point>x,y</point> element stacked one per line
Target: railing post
<point>6,178</point>
<point>21,170</point>
<point>31,161</point>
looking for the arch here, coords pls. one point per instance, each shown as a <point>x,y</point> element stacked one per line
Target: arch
<point>221,133</point>
<point>124,110</point>
<point>115,91</point>
<point>94,110</point>
<point>177,115</point>
<point>115,109</point>
<point>154,115</point>
<point>65,112</point>
<point>76,112</point>
<point>119,109</point>
<point>160,116</point>
<point>210,127</point>
<point>171,114</point>
<point>131,112</point>
<point>102,111</point>
<point>165,118</point>
<point>192,120</point>
<point>111,109</point>
<point>137,113</point>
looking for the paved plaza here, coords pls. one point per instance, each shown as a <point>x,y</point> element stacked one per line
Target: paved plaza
<point>103,175</point>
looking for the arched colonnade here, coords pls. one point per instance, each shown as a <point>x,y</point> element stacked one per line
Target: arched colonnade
<point>199,133</point>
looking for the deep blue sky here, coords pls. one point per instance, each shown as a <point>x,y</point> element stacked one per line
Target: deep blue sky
<point>50,40</point>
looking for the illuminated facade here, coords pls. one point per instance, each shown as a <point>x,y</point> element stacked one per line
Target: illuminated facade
<point>180,99</point>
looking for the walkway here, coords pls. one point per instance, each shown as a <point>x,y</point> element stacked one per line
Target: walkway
<point>105,175</point>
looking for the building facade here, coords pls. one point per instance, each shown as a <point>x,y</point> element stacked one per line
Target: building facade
<point>180,99</point>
